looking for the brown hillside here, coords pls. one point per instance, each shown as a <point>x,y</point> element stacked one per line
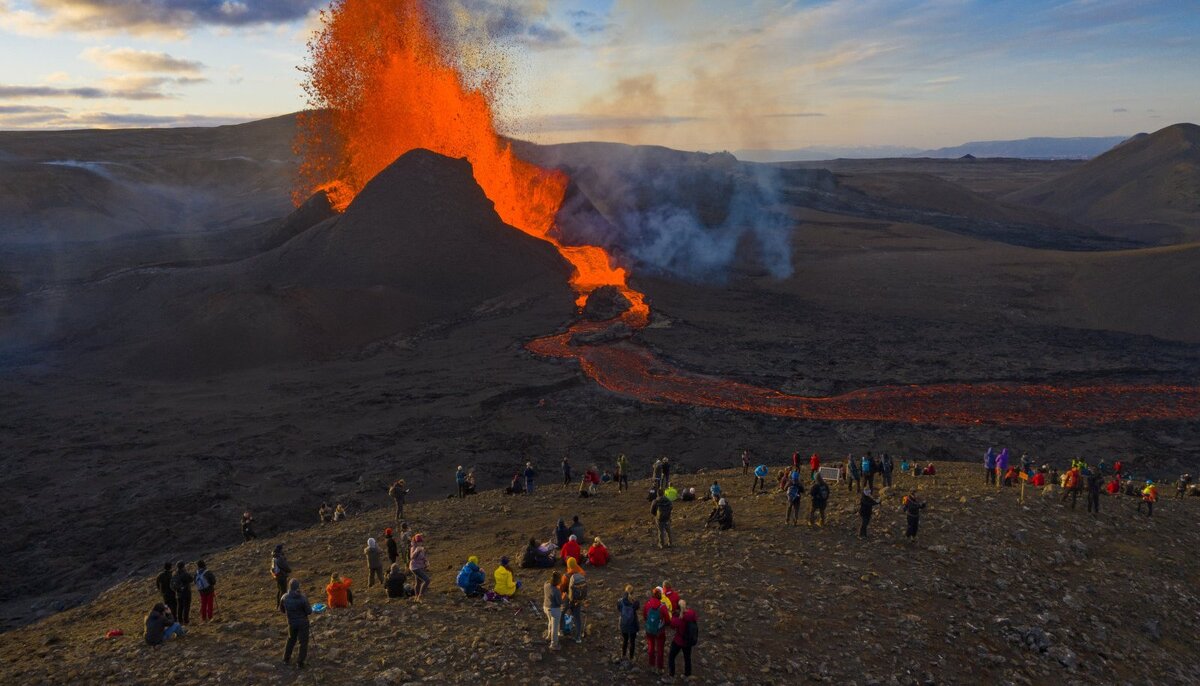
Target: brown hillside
<point>992,592</point>
<point>1147,188</point>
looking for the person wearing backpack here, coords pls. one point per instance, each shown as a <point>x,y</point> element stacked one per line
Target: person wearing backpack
<point>552,606</point>
<point>181,583</point>
<point>868,475</point>
<point>577,592</point>
<point>248,527</point>
<point>795,490</point>
<point>280,569</point>
<point>399,493</point>
<point>687,632</point>
<point>206,585</point>
<point>661,511</point>
<point>374,562</point>
<point>912,507</point>
<point>820,497</point>
<point>853,474</point>
<point>654,620</point>
<point>627,610</point>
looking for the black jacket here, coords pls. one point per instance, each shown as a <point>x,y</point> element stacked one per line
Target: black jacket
<point>181,583</point>
<point>866,505</point>
<point>164,584</point>
<point>661,509</point>
<point>296,607</point>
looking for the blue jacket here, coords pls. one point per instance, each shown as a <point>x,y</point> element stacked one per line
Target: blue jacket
<point>866,465</point>
<point>471,578</point>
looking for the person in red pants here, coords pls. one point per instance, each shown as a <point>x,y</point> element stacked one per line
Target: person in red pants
<point>655,618</point>
<point>206,584</point>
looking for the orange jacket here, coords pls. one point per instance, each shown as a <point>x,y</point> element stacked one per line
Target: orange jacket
<point>336,593</point>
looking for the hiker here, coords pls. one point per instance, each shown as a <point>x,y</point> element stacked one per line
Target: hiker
<point>929,470</point>
<point>566,472</point>
<point>585,487</point>
<point>399,493</point>
<point>656,474</point>
<point>576,595</point>
<point>886,466</point>
<point>324,515</point>
<point>866,505</point>
<point>248,526</point>
<point>161,625</point>
<point>688,495</point>
<point>1093,491</point>
<point>794,493</point>
<point>529,474</point>
<point>654,619</point>
<point>418,565</point>
<point>1002,464</point>
<point>622,473</point>
<point>337,591</point>
<point>760,479</point>
<point>912,506</point>
<point>1071,485</point>
<point>671,492</point>
<point>394,584</point>
<point>721,515</point>
<point>661,511</point>
<point>820,498</point>
<point>505,584</point>
<point>405,542</point>
<point>562,533</point>
<point>295,606</point>
<point>597,554</point>
<point>181,583</point>
<point>469,484</point>
<point>1038,480</point>
<point>1010,477</point>
<point>571,548</point>
<point>814,466</point>
<point>552,606</point>
<point>339,513</point>
<point>868,476</point>
<point>577,528</point>
<point>374,562</point>
<point>686,633</point>
<point>514,486</point>
<point>666,472</point>
<point>854,472</point>
<point>536,556</point>
<point>592,477</point>
<point>714,491</point>
<point>1181,488</point>
<point>627,609</point>
<point>1149,497</point>
<point>393,551</point>
<point>163,583</point>
<point>206,586</point>
<point>1113,487</point>
<point>460,479</point>
<point>989,466</point>
<point>280,569</point>
<point>745,462</point>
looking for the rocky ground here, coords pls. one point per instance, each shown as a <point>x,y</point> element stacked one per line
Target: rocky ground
<point>993,591</point>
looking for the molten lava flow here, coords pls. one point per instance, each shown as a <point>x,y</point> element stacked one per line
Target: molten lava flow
<point>382,82</point>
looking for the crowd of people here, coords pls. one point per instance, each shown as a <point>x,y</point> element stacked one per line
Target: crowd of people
<point>406,573</point>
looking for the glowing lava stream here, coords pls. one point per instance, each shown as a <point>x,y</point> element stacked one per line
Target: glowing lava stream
<point>382,81</point>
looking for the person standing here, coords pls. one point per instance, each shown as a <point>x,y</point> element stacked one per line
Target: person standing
<point>566,472</point>
<point>656,474</point>
<point>886,466</point>
<point>661,511</point>
<point>794,493</point>
<point>655,617</point>
<point>745,462</point>
<point>820,497</point>
<point>866,506</point>
<point>622,473</point>
<point>912,507</point>
<point>1093,491</point>
<point>295,607</point>
<point>1149,497</point>
<point>577,593</point>
<point>460,478</point>
<point>405,543</point>
<point>552,606</point>
<point>687,631</point>
<point>814,466</point>
<point>399,493</point>
<point>627,610</point>
<point>666,472</point>
<point>374,562</point>
<point>248,527</point>
<point>206,586</point>
<point>854,470</point>
<point>760,479</point>
<point>868,475</point>
<point>989,467</point>
<point>163,583</point>
<point>393,552</point>
<point>1001,466</point>
<point>529,474</point>
<point>1181,489</point>
<point>181,583</point>
<point>280,570</point>
<point>418,564</point>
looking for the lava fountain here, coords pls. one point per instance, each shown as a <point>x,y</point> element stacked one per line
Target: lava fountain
<point>382,80</point>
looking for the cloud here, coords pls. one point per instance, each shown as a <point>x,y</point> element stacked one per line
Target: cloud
<point>943,80</point>
<point>127,87</point>
<point>131,60</point>
<point>793,115</point>
<point>1119,110</point>
<point>588,23</point>
<point>148,16</point>
<point>524,23</point>
<point>32,117</point>
<point>589,122</point>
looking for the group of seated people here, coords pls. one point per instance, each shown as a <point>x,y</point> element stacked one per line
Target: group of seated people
<point>472,577</point>
<point>331,514</point>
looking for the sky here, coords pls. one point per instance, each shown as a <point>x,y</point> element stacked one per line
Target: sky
<point>690,74</point>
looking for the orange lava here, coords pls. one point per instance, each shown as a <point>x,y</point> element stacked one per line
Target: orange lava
<point>382,81</point>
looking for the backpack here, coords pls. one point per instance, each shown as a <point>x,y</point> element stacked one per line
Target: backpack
<point>202,581</point>
<point>578,588</point>
<point>628,615</point>
<point>654,621</point>
<point>691,634</point>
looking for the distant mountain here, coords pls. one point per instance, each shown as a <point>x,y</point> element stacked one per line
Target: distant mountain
<point>824,153</point>
<point>1147,187</point>
<point>1030,148</point>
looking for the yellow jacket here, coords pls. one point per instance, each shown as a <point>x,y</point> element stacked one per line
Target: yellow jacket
<point>1150,493</point>
<point>504,582</point>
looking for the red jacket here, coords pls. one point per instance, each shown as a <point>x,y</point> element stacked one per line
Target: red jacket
<point>679,624</point>
<point>814,462</point>
<point>651,603</point>
<point>597,556</point>
<point>673,596</point>
<point>1039,479</point>
<point>571,549</point>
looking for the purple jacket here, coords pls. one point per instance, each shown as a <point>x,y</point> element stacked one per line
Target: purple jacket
<point>1002,460</point>
<point>989,459</point>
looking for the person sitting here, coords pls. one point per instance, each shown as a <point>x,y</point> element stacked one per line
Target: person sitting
<point>562,532</point>
<point>606,477</point>
<point>597,554</point>
<point>930,470</point>
<point>394,583</point>
<point>585,490</point>
<point>672,493</point>
<point>337,592</point>
<point>505,585</point>
<point>471,577</point>
<point>469,484</point>
<point>161,625</point>
<point>577,528</point>
<point>339,513</point>
<point>537,557</point>
<point>515,488</point>
<point>652,495</point>
<point>722,516</point>
<point>688,495</point>
<point>1010,476</point>
<point>571,548</point>
<point>1039,480</point>
<point>325,512</point>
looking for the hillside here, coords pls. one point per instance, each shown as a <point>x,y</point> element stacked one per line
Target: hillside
<point>1038,148</point>
<point>1147,188</point>
<point>992,592</point>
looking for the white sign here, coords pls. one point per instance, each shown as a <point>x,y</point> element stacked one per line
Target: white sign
<point>830,473</point>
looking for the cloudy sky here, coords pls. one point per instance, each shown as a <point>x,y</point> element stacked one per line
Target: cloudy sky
<point>692,74</point>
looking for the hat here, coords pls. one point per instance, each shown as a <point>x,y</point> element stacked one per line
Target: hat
<point>504,561</point>
<point>387,531</point>
<point>473,559</point>
<point>419,538</point>
<point>721,502</point>
<point>573,538</point>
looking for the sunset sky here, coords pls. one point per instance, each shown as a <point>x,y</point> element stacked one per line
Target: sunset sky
<point>688,74</point>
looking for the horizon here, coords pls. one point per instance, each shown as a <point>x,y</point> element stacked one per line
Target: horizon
<point>772,75</point>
